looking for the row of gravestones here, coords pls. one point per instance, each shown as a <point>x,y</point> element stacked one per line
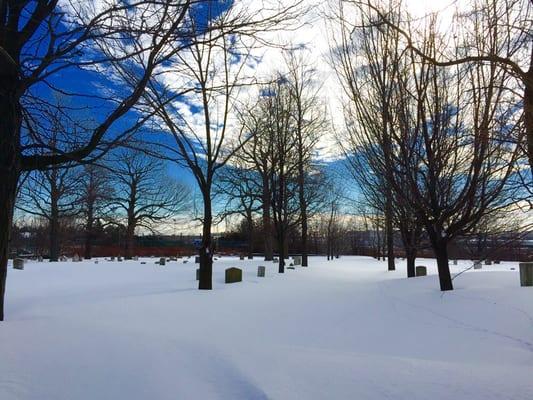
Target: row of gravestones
<point>526,271</point>
<point>234,275</point>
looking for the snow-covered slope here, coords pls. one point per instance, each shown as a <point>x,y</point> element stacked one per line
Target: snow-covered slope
<point>345,329</point>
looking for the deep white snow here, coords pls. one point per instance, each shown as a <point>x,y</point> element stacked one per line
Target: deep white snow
<point>345,329</point>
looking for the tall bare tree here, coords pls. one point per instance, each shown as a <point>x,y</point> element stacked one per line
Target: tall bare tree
<point>310,123</point>
<point>451,133</point>
<point>485,32</point>
<point>213,71</point>
<point>41,40</point>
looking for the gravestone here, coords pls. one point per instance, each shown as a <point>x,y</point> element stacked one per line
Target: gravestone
<point>297,260</point>
<point>119,258</point>
<point>496,261</point>
<point>76,258</point>
<point>197,260</point>
<point>173,259</point>
<point>162,261</point>
<point>291,267</point>
<point>197,274</point>
<point>184,261</point>
<point>261,271</point>
<point>275,259</point>
<point>18,263</point>
<point>526,273</point>
<point>454,262</point>
<point>96,261</point>
<point>135,258</point>
<point>112,258</point>
<point>241,257</point>
<point>40,259</point>
<point>477,264</point>
<point>488,262</point>
<point>233,275</point>
<point>421,270</point>
<point>63,258</point>
<point>143,262</point>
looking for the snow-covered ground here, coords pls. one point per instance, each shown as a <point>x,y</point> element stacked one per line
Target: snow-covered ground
<point>345,329</point>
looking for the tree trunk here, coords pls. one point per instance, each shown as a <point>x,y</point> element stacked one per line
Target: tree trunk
<point>440,248</point>
<point>411,258</point>
<point>303,208</point>
<point>281,250</point>
<point>250,225</point>
<point>8,190</point>
<point>267,222</point>
<point>54,228</point>
<point>390,233</point>
<point>206,256</point>
<point>304,240</point>
<point>528,112</point>
<point>130,240</point>
<point>10,122</point>
<point>89,234</point>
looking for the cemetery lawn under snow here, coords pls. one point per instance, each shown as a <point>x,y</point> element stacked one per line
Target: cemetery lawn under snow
<point>345,329</point>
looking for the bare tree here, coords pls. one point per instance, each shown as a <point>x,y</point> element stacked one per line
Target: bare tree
<point>489,32</point>
<point>214,72</point>
<point>450,132</point>
<point>310,123</point>
<point>97,191</point>
<point>144,195</point>
<point>240,186</point>
<point>39,41</point>
<point>51,194</point>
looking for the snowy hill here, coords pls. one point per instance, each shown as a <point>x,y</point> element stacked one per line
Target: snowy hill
<point>345,329</point>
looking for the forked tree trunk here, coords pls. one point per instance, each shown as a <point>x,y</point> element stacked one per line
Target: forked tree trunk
<point>130,241</point>
<point>206,258</point>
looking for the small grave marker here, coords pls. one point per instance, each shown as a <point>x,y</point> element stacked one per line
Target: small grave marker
<point>18,263</point>
<point>162,261</point>
<point>526,273</point>
<point>261,271</point>
<point>233,275</point>
<point>421,270</point>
